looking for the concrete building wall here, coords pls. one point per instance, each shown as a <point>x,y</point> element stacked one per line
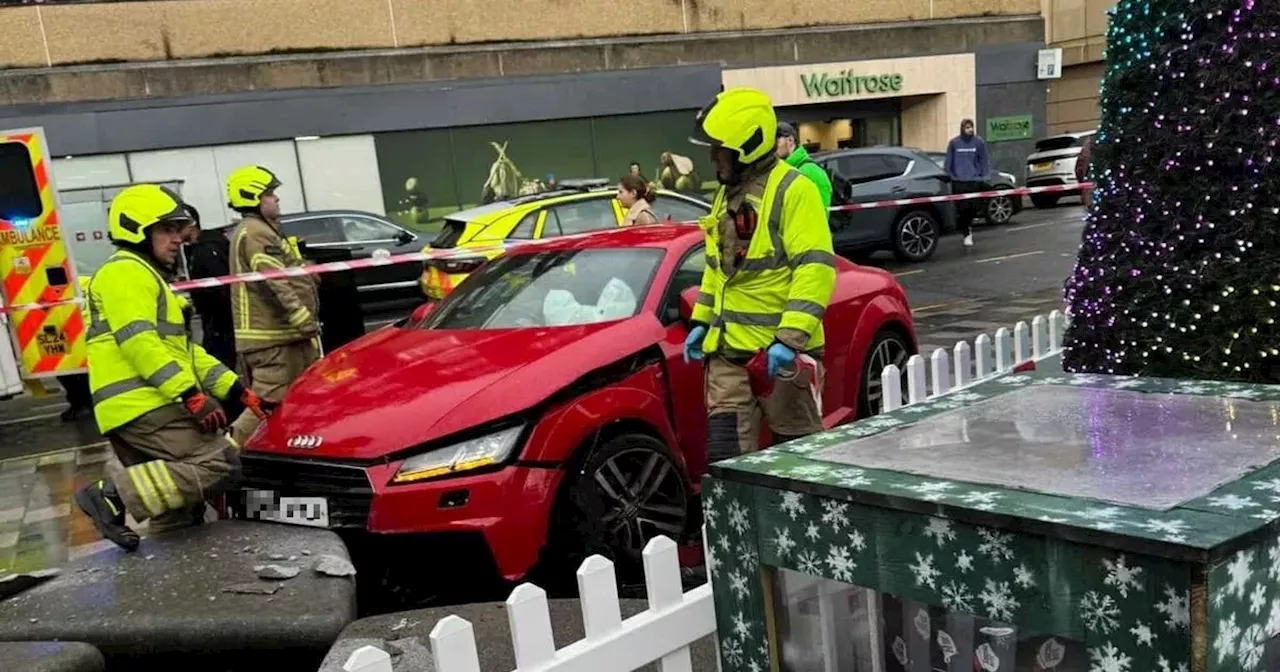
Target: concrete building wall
<point>411,66</point>
<point>1079,28</point>
<point>160,30</point>
<point>1007,86</point>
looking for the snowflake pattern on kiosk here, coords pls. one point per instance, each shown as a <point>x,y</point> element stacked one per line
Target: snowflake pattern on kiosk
<point>1116,579</point>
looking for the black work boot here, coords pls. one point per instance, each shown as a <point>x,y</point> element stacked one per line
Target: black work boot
<point>103,505</point>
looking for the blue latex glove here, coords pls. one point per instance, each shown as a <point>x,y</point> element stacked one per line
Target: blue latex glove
<point>779,356</point>
<point>693,343</point>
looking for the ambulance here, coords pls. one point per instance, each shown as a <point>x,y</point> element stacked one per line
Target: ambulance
<point>44,335</point>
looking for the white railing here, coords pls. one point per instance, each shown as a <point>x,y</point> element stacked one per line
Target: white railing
<point>675,619</point>
<point>1038,345</point>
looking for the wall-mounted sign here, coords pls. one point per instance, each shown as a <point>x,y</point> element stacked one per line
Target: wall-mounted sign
<point>1003,129</point>
<point>1049,64</point>
<point>848,83</point>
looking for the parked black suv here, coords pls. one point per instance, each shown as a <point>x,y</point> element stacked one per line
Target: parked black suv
<point>361,233</point>
<point>869,174</point>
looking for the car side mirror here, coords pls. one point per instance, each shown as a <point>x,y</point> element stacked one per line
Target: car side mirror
<point>405,237</point>
<point>688,299</point>
<point>421,312</point>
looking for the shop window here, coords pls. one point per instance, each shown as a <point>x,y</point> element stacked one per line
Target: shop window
<point>19,196</point>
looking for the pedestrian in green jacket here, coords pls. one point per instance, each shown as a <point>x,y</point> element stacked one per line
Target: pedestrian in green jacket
<point>797,157</point>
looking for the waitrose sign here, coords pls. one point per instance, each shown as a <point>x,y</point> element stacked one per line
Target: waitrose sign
<point>848,83</point>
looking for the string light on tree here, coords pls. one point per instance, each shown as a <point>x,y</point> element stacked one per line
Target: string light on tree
<point>1178,273</point>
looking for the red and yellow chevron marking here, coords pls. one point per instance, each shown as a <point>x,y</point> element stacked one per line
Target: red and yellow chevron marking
<point>51,340</point>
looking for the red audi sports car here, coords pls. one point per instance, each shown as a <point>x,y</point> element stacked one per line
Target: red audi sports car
<point>543,406</point>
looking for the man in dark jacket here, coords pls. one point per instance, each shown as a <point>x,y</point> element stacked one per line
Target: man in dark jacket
<point>968,165</point>
<point>209,257</point>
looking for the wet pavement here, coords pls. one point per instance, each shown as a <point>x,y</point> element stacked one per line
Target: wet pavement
<point>1013,273</point>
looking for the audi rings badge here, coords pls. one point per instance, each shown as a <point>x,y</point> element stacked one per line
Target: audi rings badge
<point>305,442</point>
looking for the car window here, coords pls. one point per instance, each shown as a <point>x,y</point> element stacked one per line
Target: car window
<point>367,230</point>
<point>897,165</point>
<point>550,289</point>
<point>313,230</point>
<point>671,209</point>
<point>860,168</point>
<point>524,230</point>
<point>688,274</point>
<point>591,214</point>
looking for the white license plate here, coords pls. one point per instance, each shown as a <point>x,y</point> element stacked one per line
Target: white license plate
<point>267,505</point>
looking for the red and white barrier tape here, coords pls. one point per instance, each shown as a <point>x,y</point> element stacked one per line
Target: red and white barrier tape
<point>471,252</point>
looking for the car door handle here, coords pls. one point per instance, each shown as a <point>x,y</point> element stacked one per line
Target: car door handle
<point>899,190</point>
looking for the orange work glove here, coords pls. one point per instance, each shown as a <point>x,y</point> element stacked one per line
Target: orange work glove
<point>207,411</point>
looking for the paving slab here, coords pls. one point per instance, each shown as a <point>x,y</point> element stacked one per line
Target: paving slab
<point>51,657</point>
<point>169,598</point>
<point>405,635</point>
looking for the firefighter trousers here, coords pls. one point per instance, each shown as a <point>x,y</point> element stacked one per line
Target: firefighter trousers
<point>734,413</point>
<point>269,373</point>
<point>167,468</point>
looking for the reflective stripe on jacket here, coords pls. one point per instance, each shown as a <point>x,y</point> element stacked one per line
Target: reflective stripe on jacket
<point>140,354</point>
<point>269,313</point>
<point>786,278</point>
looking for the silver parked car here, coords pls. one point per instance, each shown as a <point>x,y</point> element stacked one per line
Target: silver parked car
<point>1054,163</point>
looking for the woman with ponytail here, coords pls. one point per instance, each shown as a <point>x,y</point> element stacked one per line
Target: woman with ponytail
<point>637,197</point>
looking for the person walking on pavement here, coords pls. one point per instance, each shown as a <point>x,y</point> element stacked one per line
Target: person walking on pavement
<point>210,257</point>
<point>796,156</point>
<point>1082,170</point>
<point>637,197</point>
<point>769,275</point>
<point>276,321</point>
<point>155,393</point>
<point>968,165</point>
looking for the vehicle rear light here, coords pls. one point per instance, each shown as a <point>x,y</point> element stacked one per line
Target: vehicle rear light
<point>455,265</point>
<point>1029,365</point>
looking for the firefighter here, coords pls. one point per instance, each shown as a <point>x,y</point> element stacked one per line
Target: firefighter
<point>769,275</point>
<point>155,393</point>
<point>276,325</point>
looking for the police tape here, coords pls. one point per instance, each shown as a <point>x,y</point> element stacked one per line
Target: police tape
<point>473,252</point>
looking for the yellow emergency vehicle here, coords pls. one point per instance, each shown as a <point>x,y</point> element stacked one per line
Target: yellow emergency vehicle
<point>35,267</point>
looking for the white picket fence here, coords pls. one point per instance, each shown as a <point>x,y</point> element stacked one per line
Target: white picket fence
<point>1037,345</point>
<point>675,619</point>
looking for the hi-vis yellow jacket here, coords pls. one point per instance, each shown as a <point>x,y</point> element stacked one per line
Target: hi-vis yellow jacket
<point>270,313</point>
<point>140,354</point>
<point>786,279</point>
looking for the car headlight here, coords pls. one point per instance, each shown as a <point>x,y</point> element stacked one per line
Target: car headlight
<point>464,456</point>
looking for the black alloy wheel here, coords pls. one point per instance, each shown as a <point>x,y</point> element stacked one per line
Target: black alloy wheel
<point>915,236</point>
<point>888,347</point>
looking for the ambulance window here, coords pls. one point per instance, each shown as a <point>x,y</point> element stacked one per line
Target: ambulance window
<point>19,197</point>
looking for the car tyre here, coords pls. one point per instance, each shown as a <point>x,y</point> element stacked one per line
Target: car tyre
<point>1044,201</point>
<point>887,347</point>
<point>915,236</point>
<point>625,491</point>
<point>999,210</point>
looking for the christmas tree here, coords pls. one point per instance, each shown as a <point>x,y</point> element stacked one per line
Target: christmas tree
<point>1178,274</point>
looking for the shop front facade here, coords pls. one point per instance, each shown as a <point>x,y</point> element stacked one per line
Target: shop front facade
<point>912,102</point>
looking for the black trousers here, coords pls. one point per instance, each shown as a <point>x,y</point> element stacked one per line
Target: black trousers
<point>966,210</point>
<point>77,388</point>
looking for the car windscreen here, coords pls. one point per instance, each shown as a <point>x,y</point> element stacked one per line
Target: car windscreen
<point>554,288</point>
